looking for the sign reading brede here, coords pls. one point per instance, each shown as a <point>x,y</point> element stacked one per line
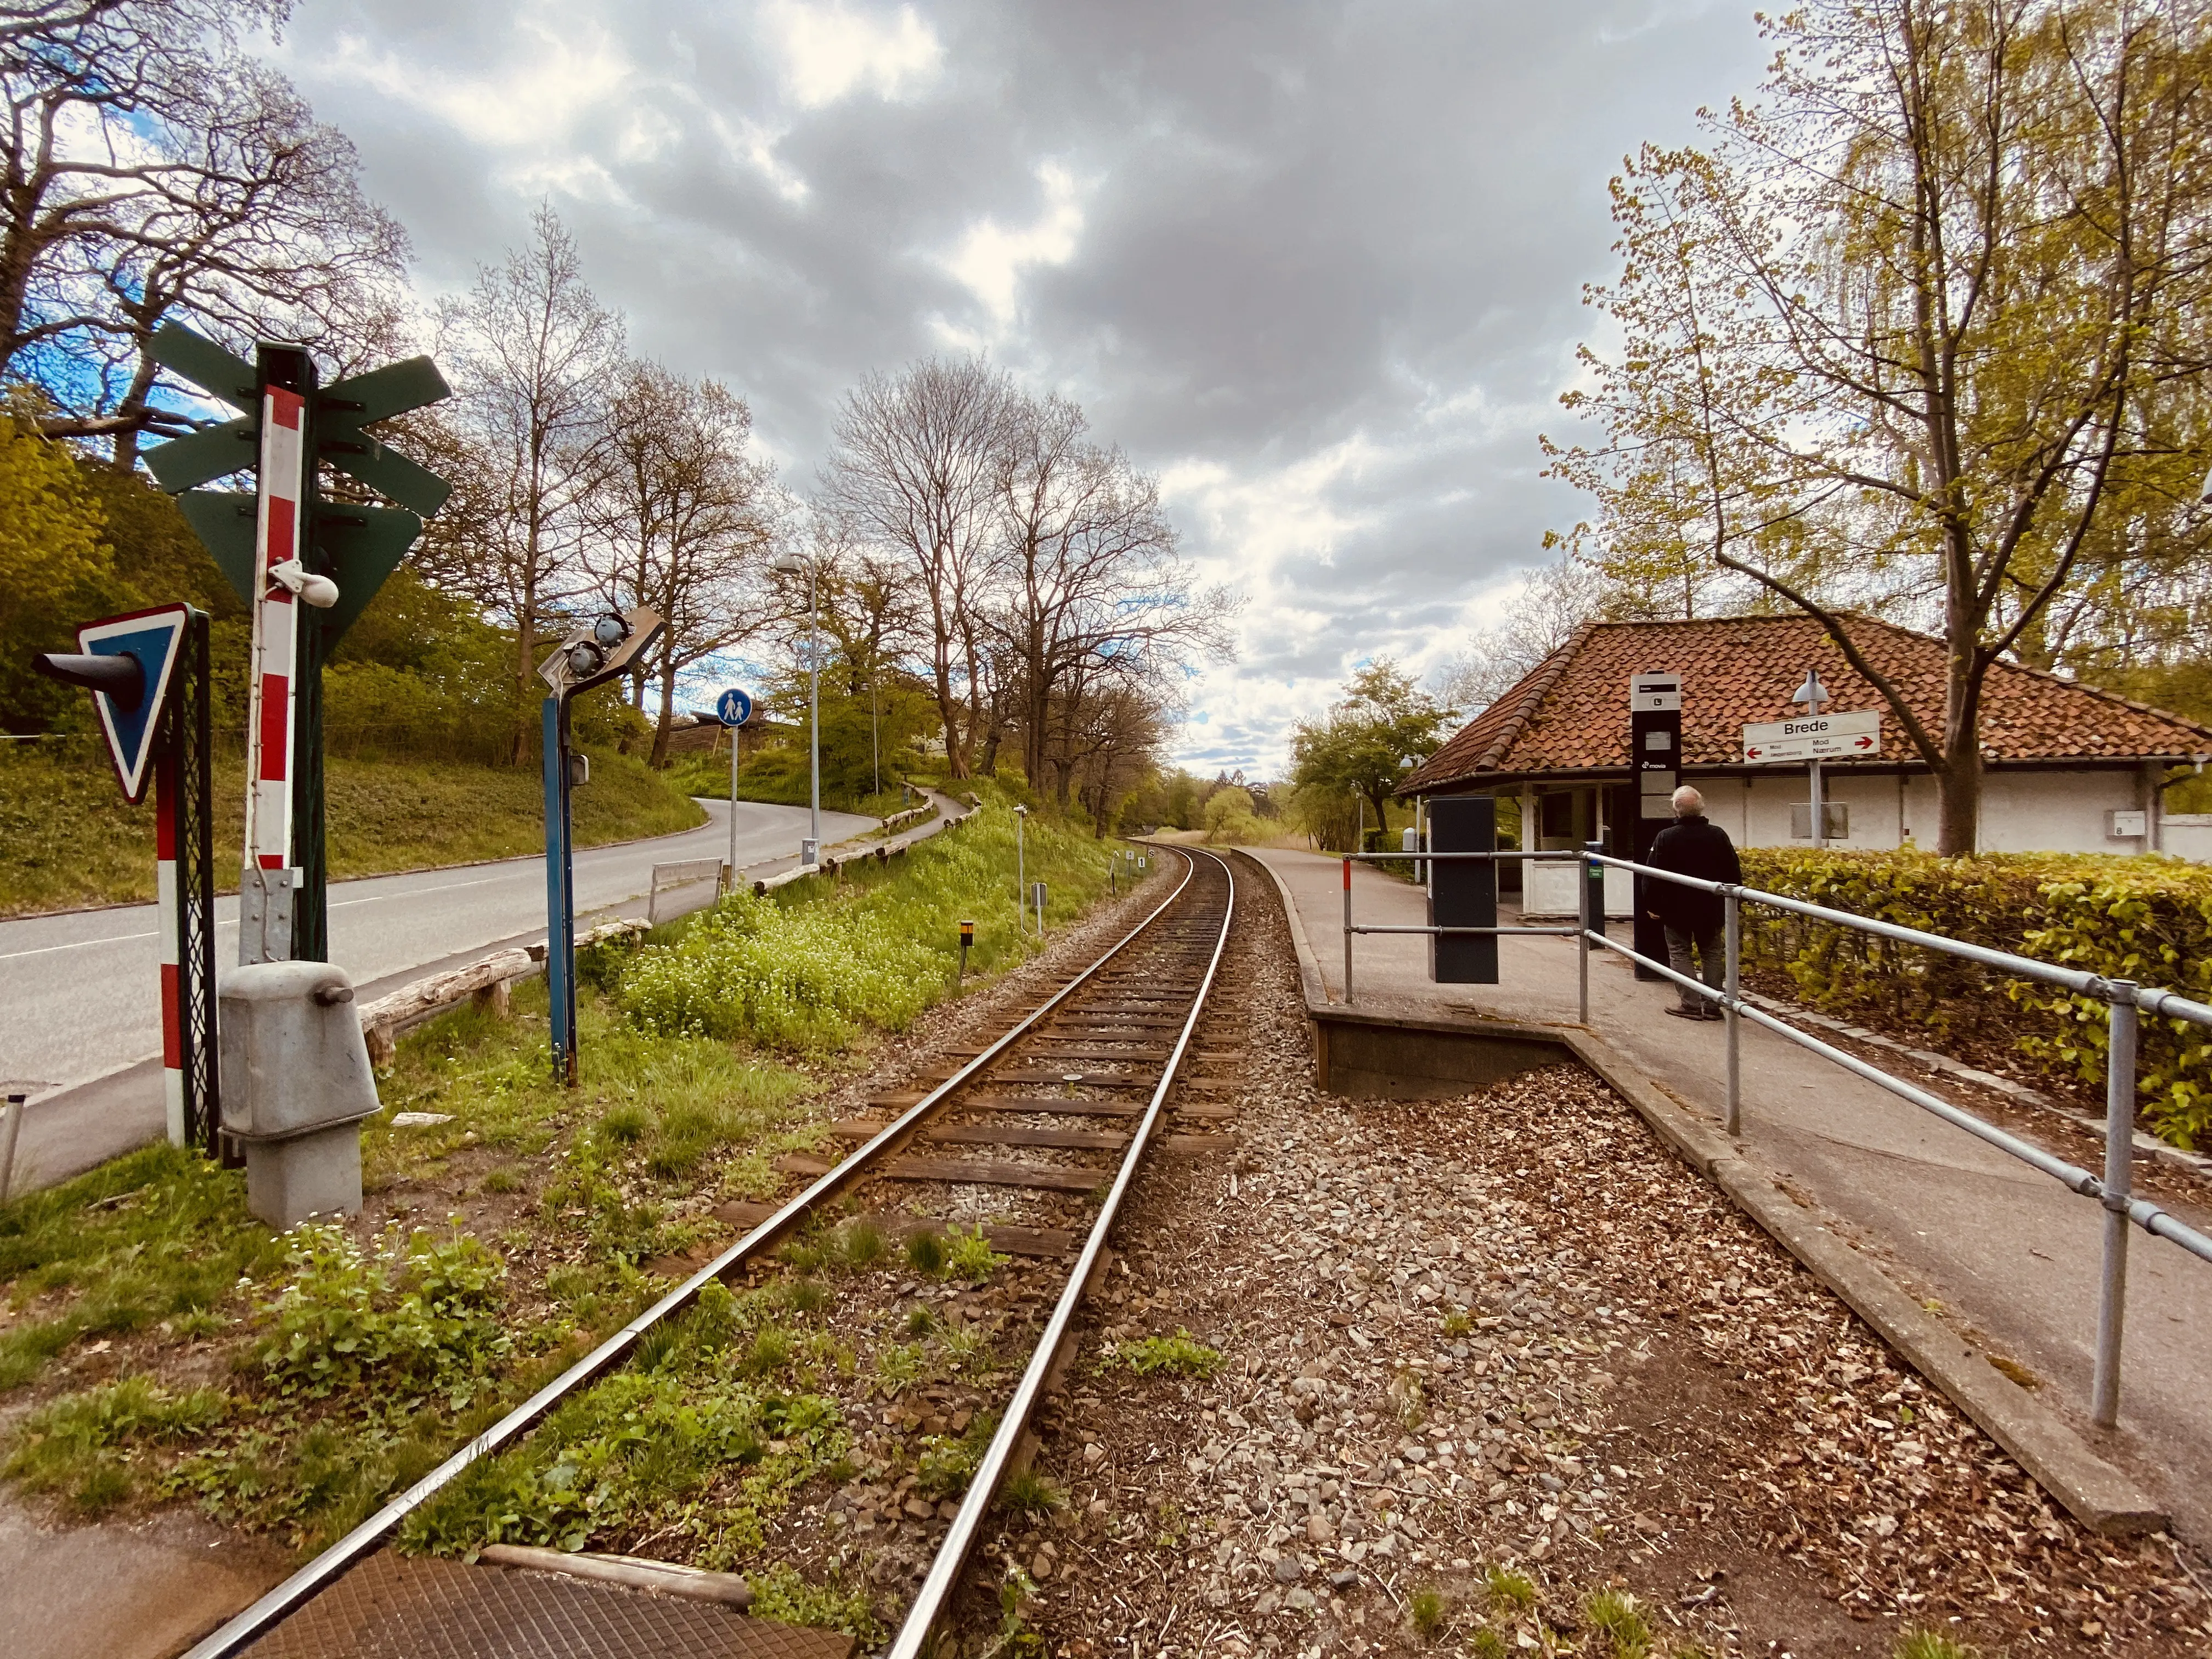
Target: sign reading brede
<point>1815,736</point>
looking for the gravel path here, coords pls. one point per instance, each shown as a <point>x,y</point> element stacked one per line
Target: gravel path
<point>1473,1346</point>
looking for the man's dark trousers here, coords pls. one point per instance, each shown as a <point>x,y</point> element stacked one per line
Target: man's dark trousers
<point>1712,959</point>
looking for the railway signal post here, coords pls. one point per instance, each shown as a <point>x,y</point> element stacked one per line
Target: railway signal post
<point>308,565</point>
<point>591,655</point>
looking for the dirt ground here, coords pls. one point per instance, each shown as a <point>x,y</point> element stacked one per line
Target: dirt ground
<point>1508,1334</point>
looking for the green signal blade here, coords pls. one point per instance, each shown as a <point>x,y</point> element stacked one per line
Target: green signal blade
<point>362,546</point>
<point>224,522</point>
<point>381,394</point>
<point>207,366</point>
<point>387,472</point>
<point>214,451</point>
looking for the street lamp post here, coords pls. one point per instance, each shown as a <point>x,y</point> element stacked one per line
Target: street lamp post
<point>1813,693</point>
<point>791,565</point>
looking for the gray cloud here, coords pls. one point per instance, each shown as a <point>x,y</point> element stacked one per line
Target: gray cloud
<point>1319,265</point>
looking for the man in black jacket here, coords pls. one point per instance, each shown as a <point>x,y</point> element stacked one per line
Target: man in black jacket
<point>1693,846</point>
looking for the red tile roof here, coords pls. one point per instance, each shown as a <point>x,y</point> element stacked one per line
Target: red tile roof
<point>1571,714</point>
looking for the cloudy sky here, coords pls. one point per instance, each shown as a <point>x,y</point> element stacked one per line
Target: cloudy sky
<point>1318,266</point>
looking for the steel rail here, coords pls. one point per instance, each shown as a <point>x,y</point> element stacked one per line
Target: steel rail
<point>294,1592</point>
<point>913,1638</point>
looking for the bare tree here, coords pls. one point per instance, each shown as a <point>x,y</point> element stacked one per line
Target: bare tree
<point>1087,593</point>
<point>537,357</point>
<point>916,472</point>
<point>687,517</point>
<point>147,168</point>
<point>1543,616</point>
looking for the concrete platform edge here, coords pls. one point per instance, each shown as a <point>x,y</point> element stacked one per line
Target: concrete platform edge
<point>2095,1493</point>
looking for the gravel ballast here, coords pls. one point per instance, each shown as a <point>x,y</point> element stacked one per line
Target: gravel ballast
<point>1508,1334</point>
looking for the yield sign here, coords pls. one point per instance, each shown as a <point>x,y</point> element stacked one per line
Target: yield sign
<point>154,638</point>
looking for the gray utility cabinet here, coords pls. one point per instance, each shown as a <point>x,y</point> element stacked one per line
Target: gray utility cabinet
<point>296,1083</point>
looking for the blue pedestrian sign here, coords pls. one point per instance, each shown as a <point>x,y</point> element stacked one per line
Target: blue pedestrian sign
<point>733,707</point>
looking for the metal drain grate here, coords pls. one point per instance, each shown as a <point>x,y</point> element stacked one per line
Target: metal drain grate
<point>391,1607</point>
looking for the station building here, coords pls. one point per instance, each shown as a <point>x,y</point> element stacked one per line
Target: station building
<point>2067,768</point>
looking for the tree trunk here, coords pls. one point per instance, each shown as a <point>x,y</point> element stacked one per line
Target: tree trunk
<point>667,713</point>
<point>525,648</point>
<point>1959,792</point>
<point>948,712</point>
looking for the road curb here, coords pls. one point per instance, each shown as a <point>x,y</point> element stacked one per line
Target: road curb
<point>2098,1495</point>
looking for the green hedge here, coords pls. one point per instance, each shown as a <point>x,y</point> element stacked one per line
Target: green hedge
<point>2145,919</point>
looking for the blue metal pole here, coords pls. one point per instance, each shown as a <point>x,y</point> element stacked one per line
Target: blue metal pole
<point>560,909</point>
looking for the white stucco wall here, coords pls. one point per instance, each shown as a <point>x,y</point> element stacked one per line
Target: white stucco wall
<point>2188,836</point>
<point>2021,812</point>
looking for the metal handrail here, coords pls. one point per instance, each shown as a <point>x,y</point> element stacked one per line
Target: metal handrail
<point>2124,1002</point>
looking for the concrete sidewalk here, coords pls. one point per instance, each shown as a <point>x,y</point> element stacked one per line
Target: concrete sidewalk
<point>2011,1256</point>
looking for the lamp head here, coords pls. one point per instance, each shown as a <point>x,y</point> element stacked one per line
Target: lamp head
<point>295,578</point>
<point>789,564</point>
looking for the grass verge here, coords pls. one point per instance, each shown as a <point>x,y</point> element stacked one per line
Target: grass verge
<point>810,965</point>
<point>164,1347</point>
<point>68,839</point>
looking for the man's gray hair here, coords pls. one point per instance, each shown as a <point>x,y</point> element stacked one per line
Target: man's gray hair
<point>1687,801</point>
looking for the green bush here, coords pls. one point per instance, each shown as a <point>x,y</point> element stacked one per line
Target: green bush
<point>810,964</point>
<point>2145,919</point>
<point>418,1314</point>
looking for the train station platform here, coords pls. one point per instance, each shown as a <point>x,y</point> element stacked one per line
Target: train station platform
<point>1983,1272</point>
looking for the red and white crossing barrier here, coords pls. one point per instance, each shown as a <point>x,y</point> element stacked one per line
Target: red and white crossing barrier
<point>270,719</point>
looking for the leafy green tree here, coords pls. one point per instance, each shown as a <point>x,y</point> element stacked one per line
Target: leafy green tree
<point>1924,329</point>
<point>1230,819</point>
<point>1371,738</point>
<point>55,565</point>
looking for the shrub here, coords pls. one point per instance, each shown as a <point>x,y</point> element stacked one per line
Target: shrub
<point>1509,1587</point>
<point>1428,1612</point>
<point>418,1312</point>
<point>969,1256</point>
<point>925,1251</point>
<point>1618,1617</point>
<point>1031,1493</point>
<point>1931,1645</point>
<point>2144,919</point>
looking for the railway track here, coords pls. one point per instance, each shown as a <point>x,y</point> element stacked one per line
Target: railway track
<point>1048,1124</point>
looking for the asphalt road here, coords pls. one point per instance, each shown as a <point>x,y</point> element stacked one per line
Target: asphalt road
<point>79,994</point>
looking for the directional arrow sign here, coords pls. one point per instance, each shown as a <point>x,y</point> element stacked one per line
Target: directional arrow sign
<point>1815,736</point>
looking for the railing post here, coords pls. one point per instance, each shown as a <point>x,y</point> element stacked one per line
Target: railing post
<point>1593,908</point>
<point>2119,1157</point>
<point>1348,933</point>
<point>1732,910</point>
